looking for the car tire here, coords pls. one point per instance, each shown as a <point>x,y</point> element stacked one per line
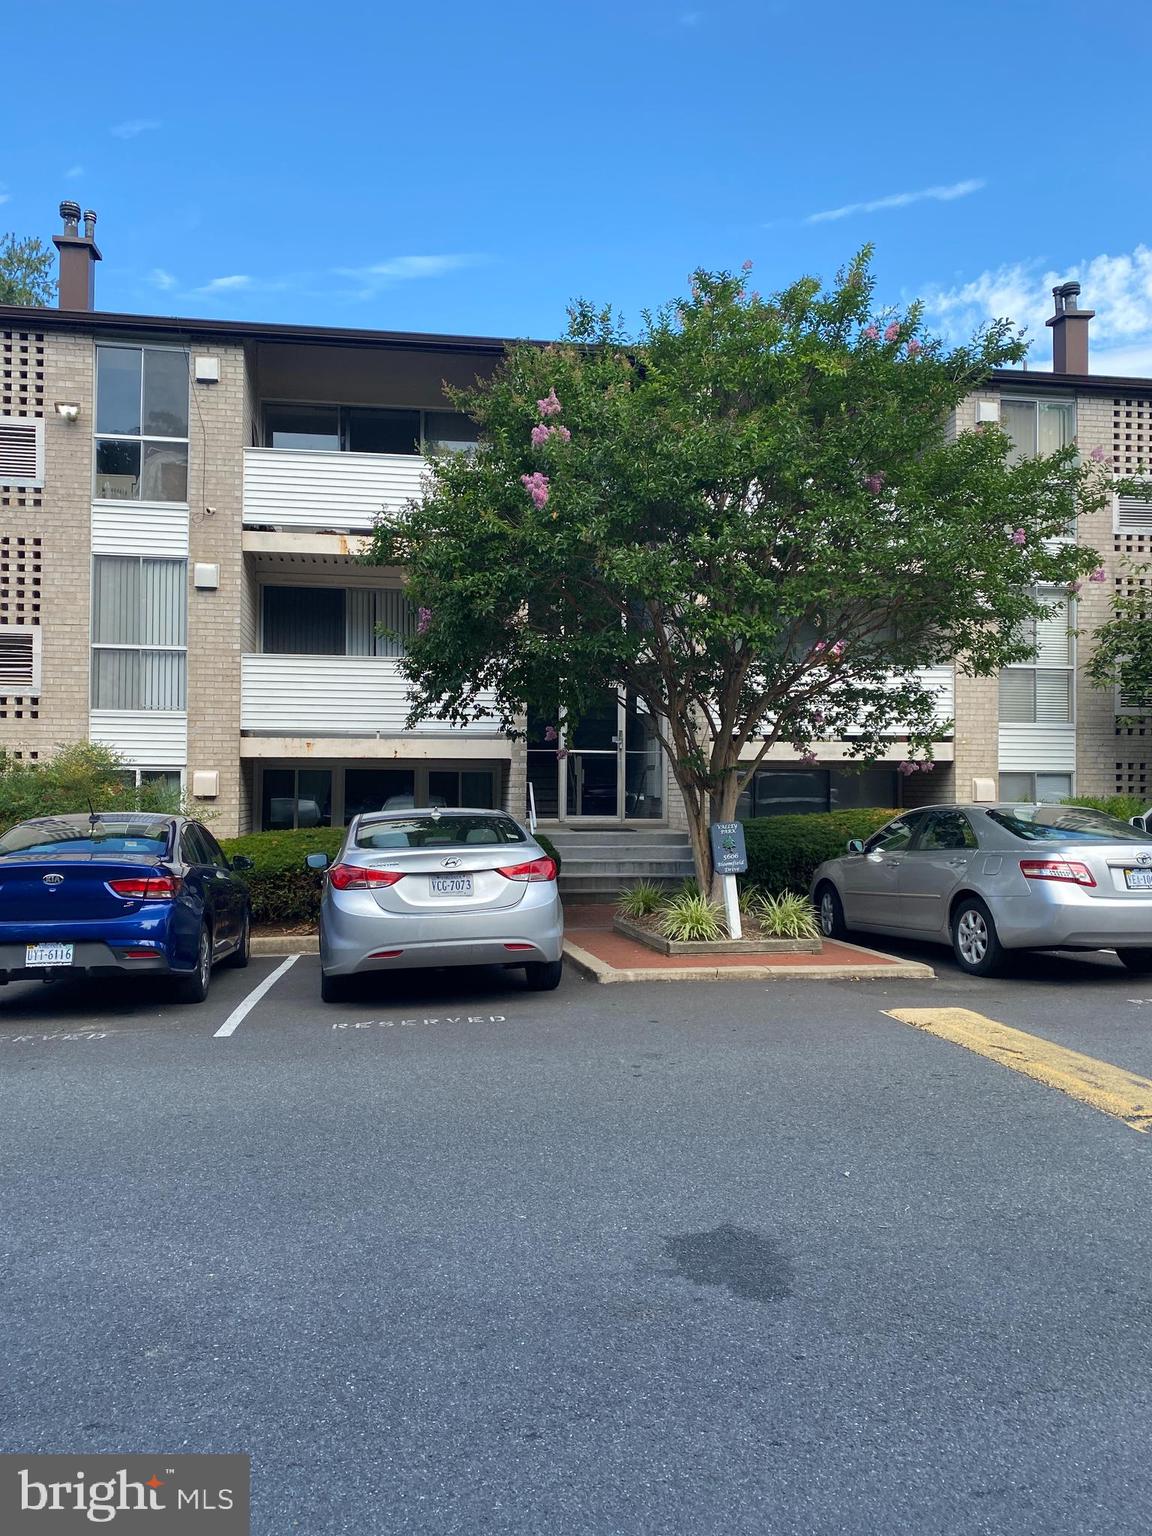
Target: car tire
<point>1138,960</point>
<point>975,942</point>
<point>194,988</point>
<point>830,912</point>
<point>241,955</point>
<point>333,989</point>
<point>543,975</point>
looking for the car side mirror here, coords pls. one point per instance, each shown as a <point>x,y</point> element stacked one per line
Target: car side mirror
<point>242,861</point>
<point>317,861</point>
<point>1138,821</point>
<point>855,845</point>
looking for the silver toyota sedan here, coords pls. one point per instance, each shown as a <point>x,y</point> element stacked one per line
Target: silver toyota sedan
<point>438,887</point>
<point>991,878</point>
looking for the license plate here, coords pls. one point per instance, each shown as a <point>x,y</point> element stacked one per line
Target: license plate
<point>1138,879</point>
<point>450,885</point>
<point>48,954</point>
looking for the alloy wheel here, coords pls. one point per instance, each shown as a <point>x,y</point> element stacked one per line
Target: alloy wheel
<point>827,915</point>
<point>972,936</point>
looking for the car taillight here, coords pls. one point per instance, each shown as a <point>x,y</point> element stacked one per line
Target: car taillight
<point>1056,869</point>
<point>353,877</point>
<point>536,869</point>
<point>146,888</point>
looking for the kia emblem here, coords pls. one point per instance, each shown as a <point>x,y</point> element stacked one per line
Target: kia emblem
<point>53,879</point>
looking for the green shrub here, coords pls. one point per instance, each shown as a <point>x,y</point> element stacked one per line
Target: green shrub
<point>787,916</point>
<point>550,849</point>
<point>640,899</point>
<point>691,918</point>
<point>1123,807</point>
<point>783,851</point>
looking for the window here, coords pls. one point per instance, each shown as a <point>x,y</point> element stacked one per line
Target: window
<point>1041,691</point>
<point>896,836</point>
<point>946,829</point>
<point>1037,426</point>
<point>141,424</point>
<point>1065,823</point>
<point>371,789</point>
<point>799,791</point>
<point>139,632</point>
<point>296,797</point>
<point>19,658</point>
<point>367,429</point>
<point>1035,788</point>
<point>332,621</point>
<point>466,786</point>
<point>459,831</point>
<point>21,451</point>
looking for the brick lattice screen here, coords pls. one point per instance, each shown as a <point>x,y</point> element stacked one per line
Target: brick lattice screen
<point>21,571</point>
<point>21,394</point>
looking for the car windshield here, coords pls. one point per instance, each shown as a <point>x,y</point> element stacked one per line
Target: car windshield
<point>1065,824</point>
<point>146,836</point>
<point>455,830</point>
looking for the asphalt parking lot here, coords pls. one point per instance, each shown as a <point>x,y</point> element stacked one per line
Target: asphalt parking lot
<point>452,1256</point>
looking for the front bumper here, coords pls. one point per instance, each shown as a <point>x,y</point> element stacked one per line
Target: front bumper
<point>354,938</point>
<point>1068,918</point>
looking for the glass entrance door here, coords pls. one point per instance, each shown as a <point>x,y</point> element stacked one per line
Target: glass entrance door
<point>609,767</point>
<point>592,766</point>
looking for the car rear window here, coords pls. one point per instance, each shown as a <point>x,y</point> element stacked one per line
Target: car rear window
<point>1065,824</point>
<point>142,837</point>
<point>448,831</point>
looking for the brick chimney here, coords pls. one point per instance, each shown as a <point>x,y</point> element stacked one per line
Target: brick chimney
<point>78,258</point>
<point>1069,330</point>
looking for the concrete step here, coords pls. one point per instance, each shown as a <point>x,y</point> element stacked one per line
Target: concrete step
<point>632,869</point>
<point>608,887</point>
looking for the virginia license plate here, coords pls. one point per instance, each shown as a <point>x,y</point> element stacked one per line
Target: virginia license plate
<point>48,954</point>
<point>451,885</point>
<point>1138,879</point>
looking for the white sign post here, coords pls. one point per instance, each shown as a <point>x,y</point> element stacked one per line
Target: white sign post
<point>732,908</point>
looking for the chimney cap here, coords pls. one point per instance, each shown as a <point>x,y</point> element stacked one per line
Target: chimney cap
<point>70,213</point>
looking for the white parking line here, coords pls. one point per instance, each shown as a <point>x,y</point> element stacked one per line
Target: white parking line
<point>242,1010</point>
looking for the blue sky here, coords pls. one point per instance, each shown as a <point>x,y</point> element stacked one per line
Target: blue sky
<point>470,167</point>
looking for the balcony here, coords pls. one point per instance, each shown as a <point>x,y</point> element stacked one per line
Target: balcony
<point>342,492</point>
<point>338,696</point>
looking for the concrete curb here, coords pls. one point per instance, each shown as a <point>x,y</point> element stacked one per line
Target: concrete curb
<point>268,945</point>
<point>898,970</point>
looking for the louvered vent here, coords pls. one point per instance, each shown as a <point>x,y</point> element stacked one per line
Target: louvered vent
<point>19,659</point>
<point>21,450</point>
<point>1134,702</point>
<point>1133,514</point>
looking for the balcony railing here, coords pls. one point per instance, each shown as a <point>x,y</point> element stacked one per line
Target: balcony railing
<point>342,492</point>
<point>333,696</point>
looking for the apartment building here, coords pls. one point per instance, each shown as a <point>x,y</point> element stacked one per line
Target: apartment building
<point>182,503</point>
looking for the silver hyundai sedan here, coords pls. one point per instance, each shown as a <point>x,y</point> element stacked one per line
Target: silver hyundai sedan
<point>991,878</point>
<point>439,887</point>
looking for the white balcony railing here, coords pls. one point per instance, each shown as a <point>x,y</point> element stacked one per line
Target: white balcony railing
<point>342,492</point>
<point>333,696</point>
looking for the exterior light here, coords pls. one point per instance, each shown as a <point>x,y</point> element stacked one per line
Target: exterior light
<point>67,410</point>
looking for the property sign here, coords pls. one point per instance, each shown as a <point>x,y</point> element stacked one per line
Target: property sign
<point>729,855</point>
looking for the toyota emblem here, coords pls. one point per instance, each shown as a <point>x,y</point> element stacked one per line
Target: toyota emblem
<point>1144,858</point>
<point>53,879</point>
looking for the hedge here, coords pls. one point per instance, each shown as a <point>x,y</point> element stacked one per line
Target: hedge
<point>783,851</point>
<point>284,890</point>
<point>1123,807</point>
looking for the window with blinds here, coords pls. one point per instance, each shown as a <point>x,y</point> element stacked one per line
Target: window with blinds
<point>1041,691</point>
<point>139,633</point>
<point>21,451</point>
<point>337,621</point>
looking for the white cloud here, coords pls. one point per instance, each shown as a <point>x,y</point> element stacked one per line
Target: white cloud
<point>73,171</point>
<point>226,284</point>
<point>401,269</point>
<point>161,279</point>
<point>898,200</point>
<point>1118,288</point>
<point>133,127</point>
<point>4,196</point>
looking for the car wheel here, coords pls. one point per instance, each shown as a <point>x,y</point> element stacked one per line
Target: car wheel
<point>1139,960</point>
<point>830,913</point>
<point>975,942</point>
<point>543,975</point>
<point>194,988</point>
<point>333,989</point>
<point>241,955</point>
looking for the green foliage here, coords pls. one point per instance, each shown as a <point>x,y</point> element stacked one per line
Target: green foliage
<point>550,849</point>
<point>640,899</point>
<point>78,777</point>
<point>751,514</point>
<point>783,851</point>
<point>1122,654</point>
<point>1123,807</point>
<point>26,271</point>
<point>748,897</point>
<point>787,916</point>
<point>690,918</point>
<point>283,889</point>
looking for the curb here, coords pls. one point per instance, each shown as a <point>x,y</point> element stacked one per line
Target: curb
<point>899,970</point>
<point>269,945</point>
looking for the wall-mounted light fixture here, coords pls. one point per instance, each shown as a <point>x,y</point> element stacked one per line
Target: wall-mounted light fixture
<point>67,410</point>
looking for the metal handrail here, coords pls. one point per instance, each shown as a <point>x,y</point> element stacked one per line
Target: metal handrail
<point>531,809</point>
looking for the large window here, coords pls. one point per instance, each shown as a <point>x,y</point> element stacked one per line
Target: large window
<point>1037,426</point>
<point>1041,692</point>
<point>784,791</point>
<point>141,424</point>
<point>139,632</point>
<point>366,429</point>
<point>1027,788</point>
<point>332,621</point>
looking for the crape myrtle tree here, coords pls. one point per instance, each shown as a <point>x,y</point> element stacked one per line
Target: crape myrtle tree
<point>1122,657</point>
<point>752,513</point>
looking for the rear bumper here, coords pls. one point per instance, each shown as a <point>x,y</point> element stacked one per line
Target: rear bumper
<point>528,933</point>
<point>89,958</point>
<point>1071,919</point>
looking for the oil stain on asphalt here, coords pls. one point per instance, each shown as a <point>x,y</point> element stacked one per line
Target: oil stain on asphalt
<point>746,1264</point>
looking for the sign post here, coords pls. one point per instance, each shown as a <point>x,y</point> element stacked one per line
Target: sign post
<point>729,859</point>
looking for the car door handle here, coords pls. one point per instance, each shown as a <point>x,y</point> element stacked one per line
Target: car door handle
<point>891,863</point>
<point>958,863</point>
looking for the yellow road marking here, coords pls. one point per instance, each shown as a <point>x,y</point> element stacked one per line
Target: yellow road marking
<point>1110,1089</point>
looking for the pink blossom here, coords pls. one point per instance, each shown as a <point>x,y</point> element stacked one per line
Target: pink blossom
<point>1098,454</point>
<point>808,759</point>
<point>818,648</point>
<point>1075,587</point>
<point>549,406</point>
<point>893,332</point>
<point>838,649</point>
<point>540,435</point>
<point>745,266</point>
<point>550,733</point>
<point>755,296</point>
<point>561,752</point>
<point>1019,537</point>
<point>562,433</point>
<point>907,769</point>
<point>537,487</point>
<point>1099,574</point>
<point>818,717</point>
<point>872,333</point>
<point>913,347</point>
<point>875,483</point>
<point>423,619</point>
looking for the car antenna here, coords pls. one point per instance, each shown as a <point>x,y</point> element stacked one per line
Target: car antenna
<point>93,816</point>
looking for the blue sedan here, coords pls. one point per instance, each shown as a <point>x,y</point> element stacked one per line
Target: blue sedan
<point>117,894</point>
